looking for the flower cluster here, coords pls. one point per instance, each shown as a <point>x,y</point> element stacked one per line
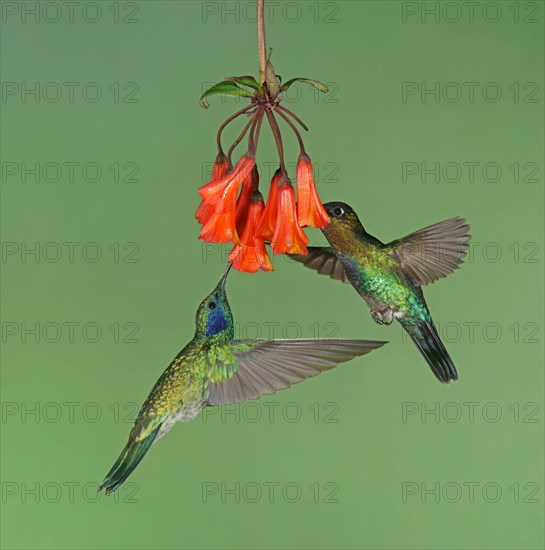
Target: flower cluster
<point>232,209</point>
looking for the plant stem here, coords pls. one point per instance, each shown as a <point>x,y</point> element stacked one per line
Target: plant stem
<point>261,40</point>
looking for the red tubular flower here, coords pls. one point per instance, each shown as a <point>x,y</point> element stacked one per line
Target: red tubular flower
<point>220,228</point>
<point>250,254</point>
<point>310,210</point>
<point>268,221</point>
<point>288,236</point>
<point>249,185</point>
<point>205,211</point>
<point>221,195</point>
<point>212,192</point>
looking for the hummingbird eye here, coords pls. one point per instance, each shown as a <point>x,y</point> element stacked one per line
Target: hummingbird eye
<point>338,211</point>
<point>212,304</point>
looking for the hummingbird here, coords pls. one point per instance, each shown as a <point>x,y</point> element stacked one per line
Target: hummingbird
<point>216,369</point>
<point>389,277</point>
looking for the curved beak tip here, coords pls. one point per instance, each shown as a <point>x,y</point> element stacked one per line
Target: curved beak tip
<point>223,279</point>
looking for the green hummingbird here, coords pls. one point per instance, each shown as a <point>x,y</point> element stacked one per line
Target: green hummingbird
<point>389,276</point>
<point>216,369</point>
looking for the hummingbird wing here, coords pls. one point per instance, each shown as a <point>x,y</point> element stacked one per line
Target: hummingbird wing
<point>433,252</point>
<point>324,261</point>
<point>265,366</point>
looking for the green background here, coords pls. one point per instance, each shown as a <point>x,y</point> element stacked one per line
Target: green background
<point>360,134</point>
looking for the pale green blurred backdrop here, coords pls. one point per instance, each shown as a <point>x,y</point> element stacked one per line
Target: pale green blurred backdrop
<point>375,454</point>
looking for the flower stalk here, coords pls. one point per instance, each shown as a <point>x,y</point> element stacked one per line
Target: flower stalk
<point>261,40</point>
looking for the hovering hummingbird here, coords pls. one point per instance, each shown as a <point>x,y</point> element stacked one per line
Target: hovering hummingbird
<point>216,369</point>
<point>389,276</point>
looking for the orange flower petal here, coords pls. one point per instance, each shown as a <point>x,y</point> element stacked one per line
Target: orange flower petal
<point>220,227</point>
<point>204,212</point>
<point>217,211</point>
<point>250,254</point>
<point>250,258</point>
<point>288,236</point>
<point>212,191</point>
<point>310,210</point>
<point>205,209</point>
<point>268,220</point>
<point>250,183</point>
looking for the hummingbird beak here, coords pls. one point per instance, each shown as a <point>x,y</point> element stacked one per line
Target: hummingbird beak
<point>221,284</point>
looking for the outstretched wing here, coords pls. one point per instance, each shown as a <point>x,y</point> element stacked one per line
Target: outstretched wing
<point>265,366</point>
<point>324,261</point>
<point>433,252</point>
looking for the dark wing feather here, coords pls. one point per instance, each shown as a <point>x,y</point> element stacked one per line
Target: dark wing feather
<point>433,252</point>
<point>324,261</point>
<point>266,366</point>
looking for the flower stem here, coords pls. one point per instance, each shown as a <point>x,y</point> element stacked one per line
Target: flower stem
<point>254,132</point>
<point>295,131</point>
<point>292,115</point>
<point>261,40</point>
<point>230,119</point>
<point>278,138</point>
<point>258,129</point>
<point>241,136</point>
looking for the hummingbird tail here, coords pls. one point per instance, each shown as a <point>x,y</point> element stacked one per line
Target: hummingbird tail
<point>425,336</point>
<point>128,460</point>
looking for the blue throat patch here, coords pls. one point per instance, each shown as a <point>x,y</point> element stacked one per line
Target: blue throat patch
<point>216,322</point>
